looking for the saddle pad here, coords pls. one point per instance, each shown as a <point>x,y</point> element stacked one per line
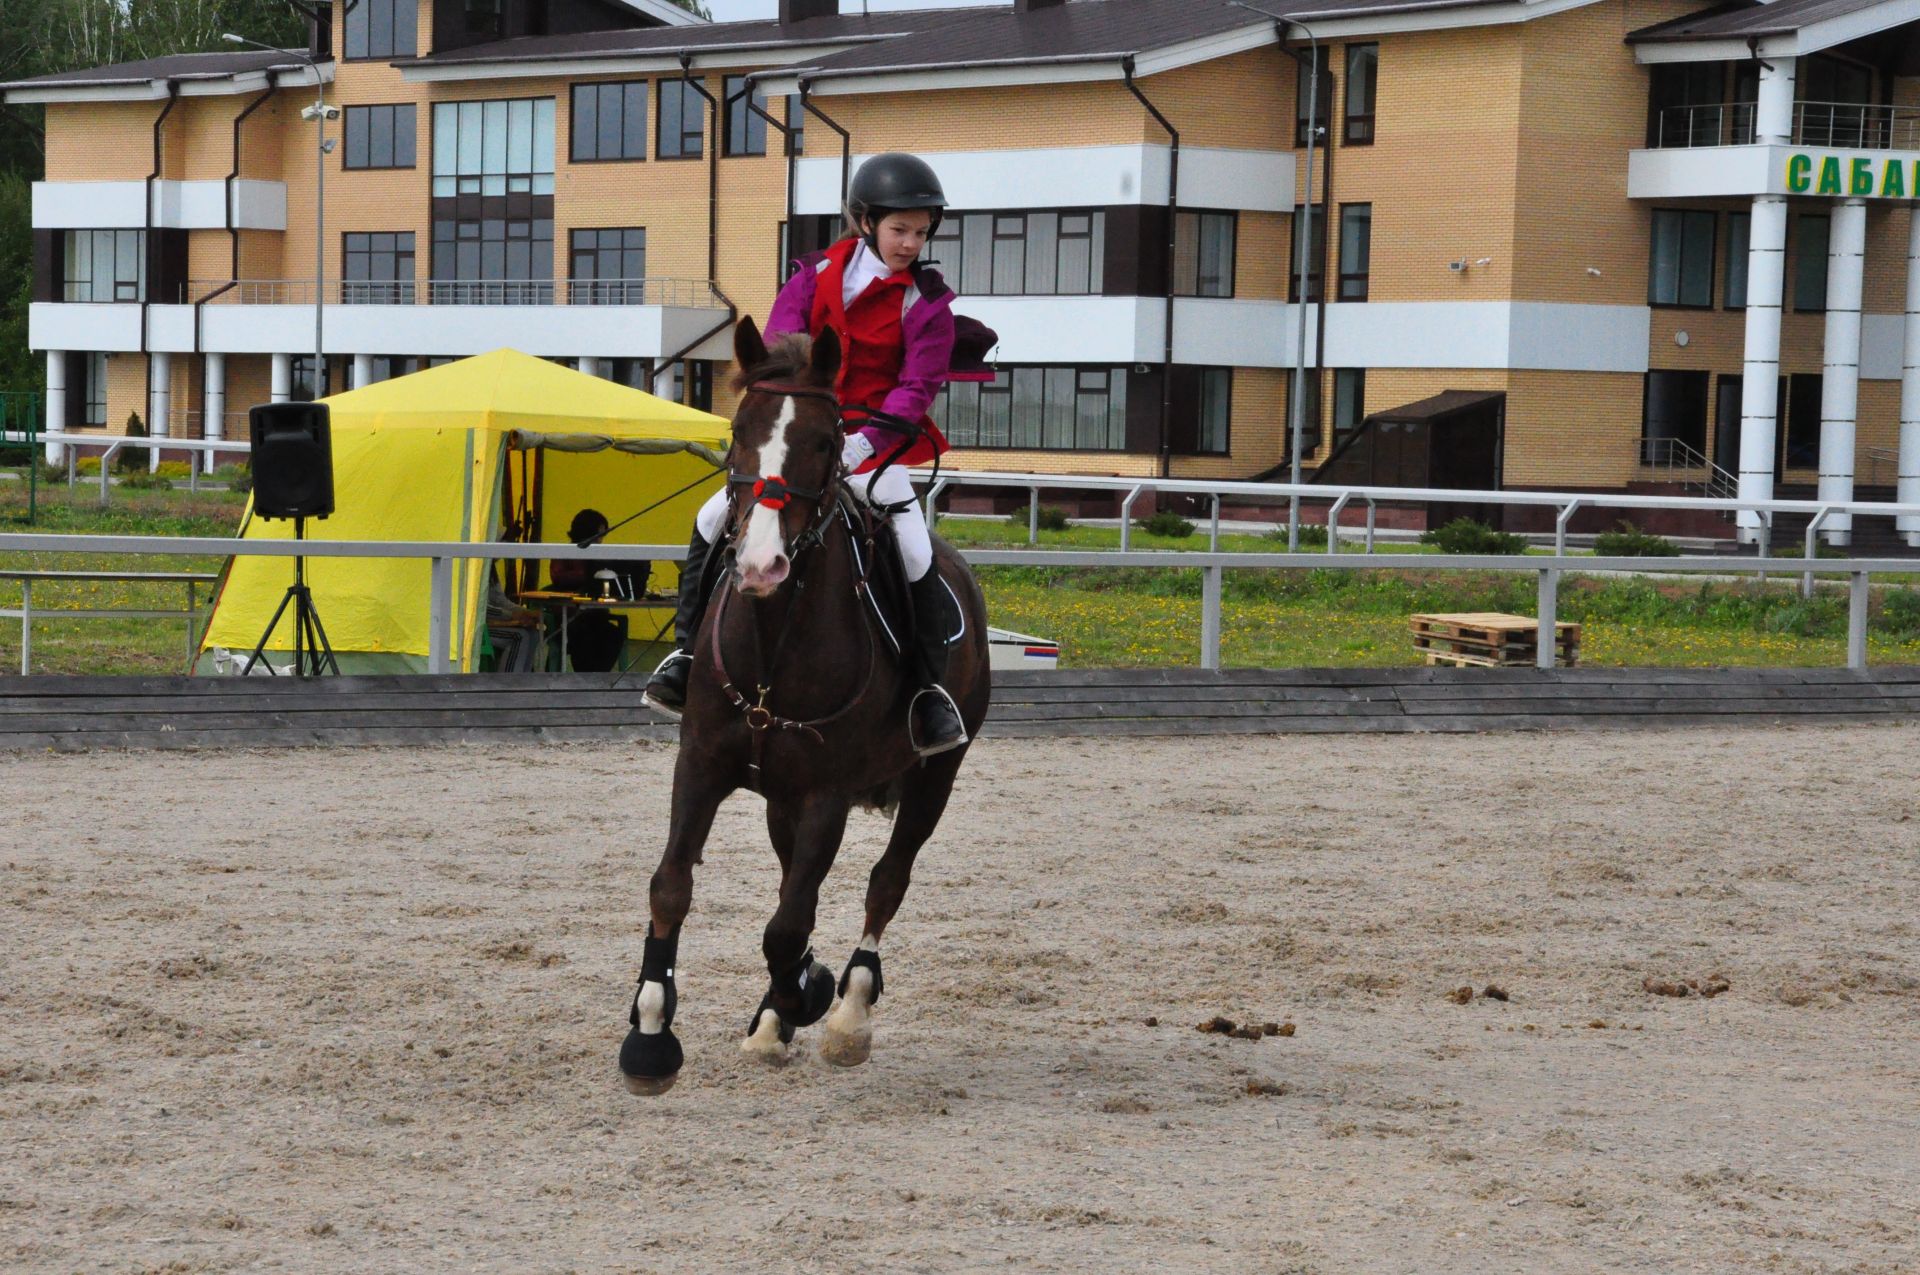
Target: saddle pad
<point>888,597</point>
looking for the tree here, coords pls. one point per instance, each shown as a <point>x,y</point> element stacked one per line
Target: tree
<point>694,7</point>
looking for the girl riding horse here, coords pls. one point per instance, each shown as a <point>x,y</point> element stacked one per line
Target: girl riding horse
<point>893,316</point>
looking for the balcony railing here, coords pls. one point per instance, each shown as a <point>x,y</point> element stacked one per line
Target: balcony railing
<point>696,294</point>
<point>1676,461</point>
<point>1842,125</point>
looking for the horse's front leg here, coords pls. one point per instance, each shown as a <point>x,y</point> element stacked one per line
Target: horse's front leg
<point>650,1057</point>
<point>848,1037</point>
<point>801,988</point>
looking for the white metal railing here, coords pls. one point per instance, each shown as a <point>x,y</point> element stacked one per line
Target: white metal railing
<point>1846,125</point>
<point>1882,467</point>
<point>696,294</point>
<point>26,611</point>
<point>441,557</point>
<point>111,445</point>
<point>1687,466</point>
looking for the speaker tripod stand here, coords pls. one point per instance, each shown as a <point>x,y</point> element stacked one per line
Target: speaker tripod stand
<point>312,653</point>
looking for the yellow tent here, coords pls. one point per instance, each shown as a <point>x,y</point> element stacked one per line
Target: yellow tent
<point>463,452</point>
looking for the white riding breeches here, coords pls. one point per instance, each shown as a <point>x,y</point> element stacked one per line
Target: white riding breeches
<point>892,487</point>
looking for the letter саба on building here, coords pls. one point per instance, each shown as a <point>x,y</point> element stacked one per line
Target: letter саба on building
<point>1852,175</point>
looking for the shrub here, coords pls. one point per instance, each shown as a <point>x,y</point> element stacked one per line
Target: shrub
<point>131,459</point>
<point>1166,523</point>
<point>141,480</point>
<point>50,472</point>
<point>1901,611</point>
<point>236,477</point>
<point>1628,541</point>
<point>1051,518</point>
<point>1464,535</point>
<point>1312,535</point>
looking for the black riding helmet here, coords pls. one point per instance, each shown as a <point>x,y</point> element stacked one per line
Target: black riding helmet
<point>894,182</point>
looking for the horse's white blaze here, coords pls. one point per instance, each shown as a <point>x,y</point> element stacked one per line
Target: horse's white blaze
<point>653,1007</point>
<point>765,1040</point>
<point>764,544</point>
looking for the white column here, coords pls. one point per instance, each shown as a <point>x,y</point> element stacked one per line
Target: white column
<point>1908,490</point>
<point>362,371</point>
<point>1766,280</point>
<point>56,418</point>
<point>214,383</point>
<point>282,389</point>
<point>159,403</point>
<point>1840,372</point>
<point>1760,379</point>
<point>592,367</point>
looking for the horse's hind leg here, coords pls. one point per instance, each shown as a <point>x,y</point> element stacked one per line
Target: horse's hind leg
<point>801,988</point>
<point>848,1038</point>
<point>650,1057</point>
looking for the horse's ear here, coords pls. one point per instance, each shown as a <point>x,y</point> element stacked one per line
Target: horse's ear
<point>749,351</point>
<point>825,364</point>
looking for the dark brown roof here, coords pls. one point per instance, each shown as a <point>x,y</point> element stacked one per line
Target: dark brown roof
<point>1738,21</point>
<point>180,66</point>
<point>1444,404</point>
<point>709,37</point>
<point>1082,30</point>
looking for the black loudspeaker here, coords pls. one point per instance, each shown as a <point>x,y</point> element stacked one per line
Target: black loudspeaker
<point>292,460</point>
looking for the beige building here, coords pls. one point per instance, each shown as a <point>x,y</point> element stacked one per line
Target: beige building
<point>1557,243</point>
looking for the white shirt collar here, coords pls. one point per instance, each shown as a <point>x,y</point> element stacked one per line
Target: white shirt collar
<point>862,269</point>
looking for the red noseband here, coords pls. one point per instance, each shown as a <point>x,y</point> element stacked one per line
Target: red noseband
<point>772,492</point>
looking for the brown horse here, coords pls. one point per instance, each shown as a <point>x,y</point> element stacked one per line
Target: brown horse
<point>794,695</point>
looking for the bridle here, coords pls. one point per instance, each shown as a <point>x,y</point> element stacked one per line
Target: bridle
<point>771,491</point>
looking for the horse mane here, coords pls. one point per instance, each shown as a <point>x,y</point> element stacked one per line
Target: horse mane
<point>789,357</point>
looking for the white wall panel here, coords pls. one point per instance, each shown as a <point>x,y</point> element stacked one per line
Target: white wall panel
<point>258,205</point>
<point>53,325</point>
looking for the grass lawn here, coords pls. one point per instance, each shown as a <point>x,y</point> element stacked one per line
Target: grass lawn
<point>1102,617</point>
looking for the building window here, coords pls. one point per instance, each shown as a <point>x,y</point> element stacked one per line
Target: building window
<point>1356,250</point>
<point>1203,251</point>
<point>746,131</point>
<point>1037,409</point>
<point>307,385</point>
<point>1739,227</point>
<point>807,233</point>
<point>1673,418</point>
<point>796,125</point>
<point>1309,416</point>
<point>94,410</point>
<point>493,148</point>
<point>699,378</point>
<point>485,18</point>
<point>1022,253</point>
<point>493,261</point>
<point>1363,74</point>
<point>104,265</point>
<point>1681,270</point>
<point>379,268</point>
<point>1349,403</point>
<point>1687,106</point>
<point>1810,263</point>
<point>1314,255</point>
<point>1803,420</point>
<point>610,121</point>
<point>380,136</point>
<point>609,267</point>
<point>1216,410</point>
<point>1317,57</point>
<point>382,29</point>
<point>683,121</point>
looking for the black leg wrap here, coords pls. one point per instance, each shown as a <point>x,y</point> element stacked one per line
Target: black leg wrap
<point>863,959</point>
<point>656,1054</point>
<point>811,983</point>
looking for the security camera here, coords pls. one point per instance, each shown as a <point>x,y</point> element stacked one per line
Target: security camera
<point>1594,271</point>
<point>1457,266</point>
<point>1484,261</point>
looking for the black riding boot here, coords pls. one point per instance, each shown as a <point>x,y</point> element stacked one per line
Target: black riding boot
<point>667,688</point>
<point>933,719</point>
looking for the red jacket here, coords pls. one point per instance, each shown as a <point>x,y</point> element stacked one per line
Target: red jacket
<point>896,341</point>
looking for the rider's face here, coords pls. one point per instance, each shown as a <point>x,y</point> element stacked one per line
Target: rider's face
<point>902,235</point>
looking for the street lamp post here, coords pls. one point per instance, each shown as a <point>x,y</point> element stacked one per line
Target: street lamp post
<point>319,113</point>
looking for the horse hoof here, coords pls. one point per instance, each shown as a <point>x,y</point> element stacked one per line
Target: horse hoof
<point>768,1038</point>
<point>648,1086</point>
<point>846,1049</point>
<point>649,1063</point>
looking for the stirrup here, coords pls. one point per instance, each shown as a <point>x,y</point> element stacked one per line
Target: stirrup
<point>647,697</point>
<point>934,749</point>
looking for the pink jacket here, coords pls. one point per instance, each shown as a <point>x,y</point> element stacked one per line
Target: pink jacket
<point>926,327</point>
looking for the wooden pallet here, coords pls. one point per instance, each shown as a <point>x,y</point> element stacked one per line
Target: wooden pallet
<point>1489,639</point>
